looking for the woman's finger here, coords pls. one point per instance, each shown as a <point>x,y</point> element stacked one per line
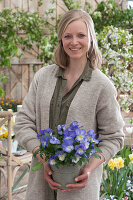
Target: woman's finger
<point>81,181</point>
<point>81,184</point>
<point>47,168</point>
<point>50,181</point>
<point>47,174</point>
<point>81,177</point>
<point>53,188</point>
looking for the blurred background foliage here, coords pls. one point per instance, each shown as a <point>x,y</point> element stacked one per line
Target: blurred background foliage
<point>20,31</point>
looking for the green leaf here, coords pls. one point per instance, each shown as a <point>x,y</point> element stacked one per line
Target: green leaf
<point>36,152</point>
<point>37,166</point>
<point>98,150</point>
<point>131,166</point>
<point>96,155</point>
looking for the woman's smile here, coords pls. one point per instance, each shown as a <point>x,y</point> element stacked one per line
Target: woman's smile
<point>75,50</point>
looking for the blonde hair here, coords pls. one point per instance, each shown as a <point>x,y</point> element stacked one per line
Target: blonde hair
<point>94,55</point>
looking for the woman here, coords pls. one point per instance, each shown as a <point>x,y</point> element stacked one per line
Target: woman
<point>72,89</point>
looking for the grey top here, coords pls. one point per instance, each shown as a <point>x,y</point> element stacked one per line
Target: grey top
<point>60,103</point>
<point>94,106</point>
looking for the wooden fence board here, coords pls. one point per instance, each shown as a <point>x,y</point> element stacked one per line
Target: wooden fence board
<point>39,67</point>
<point>33,70</point>
<point>20,76</point>
<point>12,81</point>
<point>2,5</point>
<point>25,83</point>
<point>7,86</point>
<point>16,4</point>
<point>28,61</point>
<point>16,93</point>
<point>15,78</point>
<point>25,5</point>
<point>31,73</point>
<point>48,5</point>
<point>6,3</point>
<point>61,8</point>
<point>41,9</point>
<point>32,6</point>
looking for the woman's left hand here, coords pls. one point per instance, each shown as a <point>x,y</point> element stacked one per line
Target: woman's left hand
<point>81,180</point>
<point>85,173</point>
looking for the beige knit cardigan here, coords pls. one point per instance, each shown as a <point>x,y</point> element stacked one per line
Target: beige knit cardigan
<point>94,107</point>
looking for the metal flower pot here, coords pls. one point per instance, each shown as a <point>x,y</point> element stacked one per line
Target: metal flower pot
<point>65,174</point>
<point>14,145</point>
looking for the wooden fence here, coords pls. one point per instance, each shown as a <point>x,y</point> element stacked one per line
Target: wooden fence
<point>27,5</point>
<point>21,72</point>
<point>20,76</point>
<point>32,5</point>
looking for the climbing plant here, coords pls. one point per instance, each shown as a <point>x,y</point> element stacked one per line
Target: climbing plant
<point>23,31</point>
<point>116,45</point>
<point>109,14</point>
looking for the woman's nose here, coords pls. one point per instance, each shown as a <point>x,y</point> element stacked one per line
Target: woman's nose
<point>74,40</point>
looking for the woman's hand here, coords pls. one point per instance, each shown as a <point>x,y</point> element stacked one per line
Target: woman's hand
<point>47,171</point>
<point>86,172</point>
<point>81,180</point>
<point>47,174</point>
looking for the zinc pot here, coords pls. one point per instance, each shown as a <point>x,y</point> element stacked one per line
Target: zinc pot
<point>14,145</point>
<point>65,174</point>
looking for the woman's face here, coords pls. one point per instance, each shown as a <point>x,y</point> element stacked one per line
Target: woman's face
<point>75,39</point>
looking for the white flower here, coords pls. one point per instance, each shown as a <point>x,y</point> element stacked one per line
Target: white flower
<point>110,6</point>
<point>129,130</point>
<point>62,157</point>
<point>77,159</point>
<point>97,14</point>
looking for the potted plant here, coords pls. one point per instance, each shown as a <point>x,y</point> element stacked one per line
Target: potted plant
<point>66,151</point>
<point>4,136</point>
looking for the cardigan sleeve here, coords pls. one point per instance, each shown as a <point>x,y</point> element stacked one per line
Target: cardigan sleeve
<point>110,122</point>
<point>25,125</point>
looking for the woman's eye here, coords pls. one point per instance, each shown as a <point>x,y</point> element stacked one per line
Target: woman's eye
<point>67,36</point>
<point>81,35</point>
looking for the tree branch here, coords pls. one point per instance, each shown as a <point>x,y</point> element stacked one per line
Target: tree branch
<point>96,2</point>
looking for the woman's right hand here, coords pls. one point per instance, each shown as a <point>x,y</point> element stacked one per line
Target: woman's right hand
<point>47,171</point>
<point>48,176</point>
